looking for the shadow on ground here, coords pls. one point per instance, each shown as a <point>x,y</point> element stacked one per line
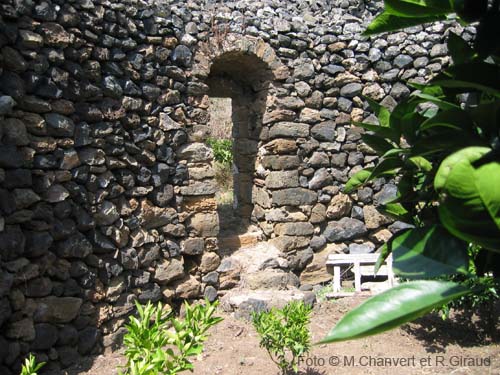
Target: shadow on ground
<point>310,371</point>
<point>462,328</point>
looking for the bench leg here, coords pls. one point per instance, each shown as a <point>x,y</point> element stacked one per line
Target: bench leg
<point>336,279</point>
<point>390,273</point>
<point>357,277</point>
<point>390,277</point>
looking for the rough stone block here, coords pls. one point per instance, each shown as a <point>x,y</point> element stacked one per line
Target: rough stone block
<point>294,197</point>
<point>289,130</point>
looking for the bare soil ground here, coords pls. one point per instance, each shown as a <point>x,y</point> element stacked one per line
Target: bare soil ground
<point>429,346</point>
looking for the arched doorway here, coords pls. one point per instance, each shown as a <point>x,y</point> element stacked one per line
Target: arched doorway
<point>243,75</point>
<point>238,92</point>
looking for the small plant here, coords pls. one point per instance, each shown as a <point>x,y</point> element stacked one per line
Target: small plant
<point>284,334</point>
<point>30,366</point>
<point>321,294</point>
<point>153,336</point>
<point>223,150</point>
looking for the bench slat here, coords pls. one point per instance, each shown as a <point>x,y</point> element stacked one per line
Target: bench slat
<point>352,258</point>
<point>364,265</point>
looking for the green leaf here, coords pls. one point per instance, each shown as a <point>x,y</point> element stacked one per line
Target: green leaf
<point>428,252</point>
<point>395,210</point>
<point>459,49</point>
<point>194,350</point>
<point>386,167</point>
<point>380,130</point>
<point>396,306</point>
<point>487,179</point>
<point>379,144</point>
<point>486,40</point>
<point>431,90</point>
<point>389,22</point>
<point>422,8</point>
<point>395,152</point>
<point>467,181</point>
<point>421,163</point>
<point>357,180</point>
<point>479,75</point>
<point>443,104</point>
<point>444,140</point>
<point>385,251</point>
<point>405,120</point>
<point>486,116</point>
<point>454,118</point>
<point>382,113</point>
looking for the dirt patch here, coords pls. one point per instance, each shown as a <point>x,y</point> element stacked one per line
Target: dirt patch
<point>428,346</point>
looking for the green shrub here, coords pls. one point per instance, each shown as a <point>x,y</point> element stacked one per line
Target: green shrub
<point>152,337</point>
<point>486,292</point>
<point>486,288</point>
<point>30,366</point>
<point>223,150</point>
<point>284,333</point>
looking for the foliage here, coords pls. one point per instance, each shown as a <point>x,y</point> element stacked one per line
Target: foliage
<point>284,333</point>
<point>441,146</point>
<point>30,367</point>
<point>486,288</point>
<point>325,290</point>
<point>152,337</point>
<point>487,292</point>
<point>223,150</point>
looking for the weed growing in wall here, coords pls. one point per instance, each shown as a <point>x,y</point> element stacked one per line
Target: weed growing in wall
<point>30,366</point>
<point>223,150</point>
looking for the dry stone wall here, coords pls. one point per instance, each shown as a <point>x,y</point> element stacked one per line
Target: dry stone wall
<point>106,186</point>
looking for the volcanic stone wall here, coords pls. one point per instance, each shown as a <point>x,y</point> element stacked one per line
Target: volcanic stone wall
<point>106,185</point>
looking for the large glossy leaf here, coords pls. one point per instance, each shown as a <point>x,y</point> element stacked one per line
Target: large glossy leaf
<point>487,179</point>
<point>468,182</point>
<point>357,180</point>
<point>428,252</point>
<point>394,307</point>
<point>389,22</point>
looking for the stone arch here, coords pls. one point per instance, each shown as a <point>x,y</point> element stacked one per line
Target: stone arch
<point>246,71</point>
<point>236,44</point>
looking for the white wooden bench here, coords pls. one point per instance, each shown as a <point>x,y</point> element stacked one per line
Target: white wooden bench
<point>363,265</point>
